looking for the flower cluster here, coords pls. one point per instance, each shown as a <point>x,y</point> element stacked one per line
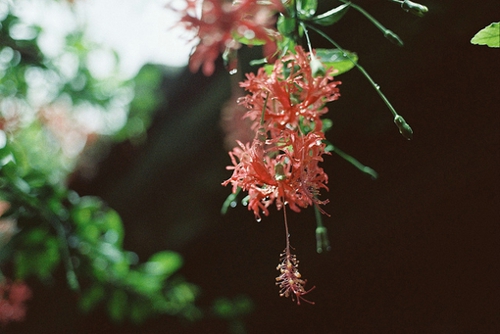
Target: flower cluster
<point>292,93</point>
<point>222,23</point>
<point>12,298</point>
<point>276,160</point>
<point>281,164</point>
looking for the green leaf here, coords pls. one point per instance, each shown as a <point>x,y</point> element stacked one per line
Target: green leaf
<point>341,61</point>
<point>306,8</point>
<point>139,311</point>
<point>113,225</point>
<point>286,25</point>
<point>489,36</point>
<point>248,38</point>
<point>38,254</point>
<point>326,124</point>
<point>94,219</point>
<point>117,305</point>
<point>223,308</point>
<point>163,264</point>
<point>331,16</point>
<point>91,297</point>
<point>82,213</point>
<point>144,283</point>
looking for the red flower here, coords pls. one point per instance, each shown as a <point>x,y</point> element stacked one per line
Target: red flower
<point>283,170</point>
<point>289,94</point>
<point>12,298</point>
<point>220,21</point>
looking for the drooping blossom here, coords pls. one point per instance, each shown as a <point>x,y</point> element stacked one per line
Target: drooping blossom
<point>282,170</point>
<point>281,164</point>
<point>220,22</point>
<point>12,299</point>
<point>291,93</point>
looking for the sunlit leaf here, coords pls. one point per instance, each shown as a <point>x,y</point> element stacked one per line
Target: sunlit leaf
<point>114,227</point>
<point>248,38</point>
<point>286,25</point>
<point>341,61</point>
<point>331,16</point>
<point>163,263</point>
<point>489,36</point>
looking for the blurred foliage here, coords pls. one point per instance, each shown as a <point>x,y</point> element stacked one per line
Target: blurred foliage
<point>44,105</point>
<point>233,311</point>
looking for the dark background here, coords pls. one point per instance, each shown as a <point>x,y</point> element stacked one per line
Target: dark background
<point>414,252</point>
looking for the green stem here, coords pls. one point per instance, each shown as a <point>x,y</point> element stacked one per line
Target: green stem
<point>70,270</point>
<point>322,242</point>
<point>404,128</point>
<point>353,161</point>
<point>387,33</point>
<point>359,67</point>
<point>309,45</point>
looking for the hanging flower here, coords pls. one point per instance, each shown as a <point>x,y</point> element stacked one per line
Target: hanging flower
<point>291,93</point>
<point>221,23</point>
<point>282,170</point>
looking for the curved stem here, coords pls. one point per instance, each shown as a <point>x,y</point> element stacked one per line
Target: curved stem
<point>353,161</point>
<point>387,33</point>
<point>307,37</point>
<point>360,68</point>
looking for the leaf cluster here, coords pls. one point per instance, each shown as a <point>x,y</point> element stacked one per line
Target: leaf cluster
<point>57,227</point>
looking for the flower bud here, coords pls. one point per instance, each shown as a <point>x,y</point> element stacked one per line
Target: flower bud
<point>414,8</point>
<point>403,127</point>
<point>393,37</point>
<point>322,242</point>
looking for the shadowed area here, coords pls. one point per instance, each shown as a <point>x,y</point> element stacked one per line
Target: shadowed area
<point>415,251</point>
